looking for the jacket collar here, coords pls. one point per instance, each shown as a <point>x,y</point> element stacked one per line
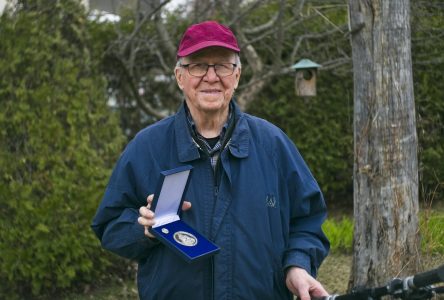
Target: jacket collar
<point>239,142</point>
<point>188,150</point>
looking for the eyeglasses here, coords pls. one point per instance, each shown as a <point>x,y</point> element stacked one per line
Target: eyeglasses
<point>200,69</point>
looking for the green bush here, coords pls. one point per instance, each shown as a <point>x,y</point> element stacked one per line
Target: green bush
<point>340,234</point>
<point>428,64</point>
<point>58,140</point>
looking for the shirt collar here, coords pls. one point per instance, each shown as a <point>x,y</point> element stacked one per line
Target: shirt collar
<point>187,148</point>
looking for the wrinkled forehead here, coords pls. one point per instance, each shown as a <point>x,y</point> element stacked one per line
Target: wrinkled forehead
<point>218,54</point>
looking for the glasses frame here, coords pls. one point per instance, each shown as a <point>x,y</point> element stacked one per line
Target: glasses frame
<point>186,66</point>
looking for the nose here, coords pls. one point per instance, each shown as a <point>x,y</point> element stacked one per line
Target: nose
<point>211,74</point>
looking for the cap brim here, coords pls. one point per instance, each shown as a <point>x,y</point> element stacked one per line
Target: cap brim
<point>206,44</point>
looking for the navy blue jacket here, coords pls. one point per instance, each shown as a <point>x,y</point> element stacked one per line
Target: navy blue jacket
<point>265,214</point>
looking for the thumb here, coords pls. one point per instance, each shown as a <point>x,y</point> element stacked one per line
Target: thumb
<point>186,205</point>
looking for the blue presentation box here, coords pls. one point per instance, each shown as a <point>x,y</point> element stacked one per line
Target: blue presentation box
<point>169,228</point>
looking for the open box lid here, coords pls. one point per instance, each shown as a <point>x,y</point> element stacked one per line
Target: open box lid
<point>169,194</point>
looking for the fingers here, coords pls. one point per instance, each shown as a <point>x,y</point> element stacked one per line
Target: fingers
<point>148,233</point>
<point>149,200</point>
<point>304,295</point>
<point>301,290</point>
<point>301,284</point>
<point>146,217</point>
<point>186,205</point>
<point>319,290</point>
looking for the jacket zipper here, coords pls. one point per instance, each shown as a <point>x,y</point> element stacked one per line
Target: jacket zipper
<point>216,193</point>
<point>212,278</point>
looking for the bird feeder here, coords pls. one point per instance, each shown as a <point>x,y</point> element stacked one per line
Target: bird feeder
<point>305,83</point>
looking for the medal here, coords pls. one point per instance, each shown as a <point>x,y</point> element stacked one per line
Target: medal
<point>185,238</point>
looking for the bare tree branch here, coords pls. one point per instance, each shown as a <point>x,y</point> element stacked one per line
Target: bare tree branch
<point>165,67</point>
<point>296,47</point>
<point>265,26</point>
<point>146,17</point>
<point>288,24</point>
<point>335,63</point>
<point>238,16</point>
<point>165,37</point>
<point>297,9</point>
<point>279,36</point>
<point>144,106</point>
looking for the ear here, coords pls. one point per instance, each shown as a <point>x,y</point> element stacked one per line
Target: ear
<point>237,77</point>
<point>179,77</point>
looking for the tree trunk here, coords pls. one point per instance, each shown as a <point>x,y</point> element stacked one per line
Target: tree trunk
<point>386,240</point>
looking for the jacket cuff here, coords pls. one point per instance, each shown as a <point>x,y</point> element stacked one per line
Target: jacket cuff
<point>299,259</point>
<point>145,240</point>
<point>151,241</point>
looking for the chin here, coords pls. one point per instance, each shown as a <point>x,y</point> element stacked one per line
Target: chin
<point>213,103</point>
<point>212,108</point>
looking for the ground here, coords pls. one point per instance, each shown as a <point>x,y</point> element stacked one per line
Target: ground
<point>335,271</point>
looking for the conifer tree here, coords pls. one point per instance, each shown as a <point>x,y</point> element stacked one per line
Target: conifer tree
<point>58,140</point>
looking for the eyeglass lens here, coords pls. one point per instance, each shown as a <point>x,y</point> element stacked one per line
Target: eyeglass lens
<point>202,69</point>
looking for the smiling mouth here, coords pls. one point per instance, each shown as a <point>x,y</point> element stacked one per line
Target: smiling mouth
<point>211,91</point>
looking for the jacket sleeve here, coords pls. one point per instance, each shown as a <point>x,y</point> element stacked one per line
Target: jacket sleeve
<point>308,245</point>
<point>115,222</point>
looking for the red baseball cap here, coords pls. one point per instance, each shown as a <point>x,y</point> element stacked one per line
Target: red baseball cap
<point>204,35</point>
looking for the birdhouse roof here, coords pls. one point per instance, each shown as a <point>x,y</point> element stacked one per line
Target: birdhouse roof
<point>306,64</point>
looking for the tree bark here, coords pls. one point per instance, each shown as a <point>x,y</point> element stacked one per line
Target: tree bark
<point>386,240</point>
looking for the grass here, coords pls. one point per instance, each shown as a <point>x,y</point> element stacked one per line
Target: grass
<point>340,233</point>
<point>432,232</point>
<point>334,273</point>
<point>117,289</point>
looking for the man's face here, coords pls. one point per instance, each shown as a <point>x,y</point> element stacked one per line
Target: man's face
<point>210,93</point>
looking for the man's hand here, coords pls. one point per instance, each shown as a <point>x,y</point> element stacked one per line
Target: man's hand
<point>301,284</point>
<point>146,218</point>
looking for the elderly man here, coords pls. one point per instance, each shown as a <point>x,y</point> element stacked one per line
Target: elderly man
<point>251,192</point>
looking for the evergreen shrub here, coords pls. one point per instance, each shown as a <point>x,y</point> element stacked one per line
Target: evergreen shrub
<point>57,141</point>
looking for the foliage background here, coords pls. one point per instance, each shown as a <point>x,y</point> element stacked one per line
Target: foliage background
<point>58,143</point>
<point>68,105</point>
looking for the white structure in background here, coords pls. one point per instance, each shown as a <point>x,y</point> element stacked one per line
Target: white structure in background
<point>104,6</point>
<point>2,6</point>
<point>109,6</point>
